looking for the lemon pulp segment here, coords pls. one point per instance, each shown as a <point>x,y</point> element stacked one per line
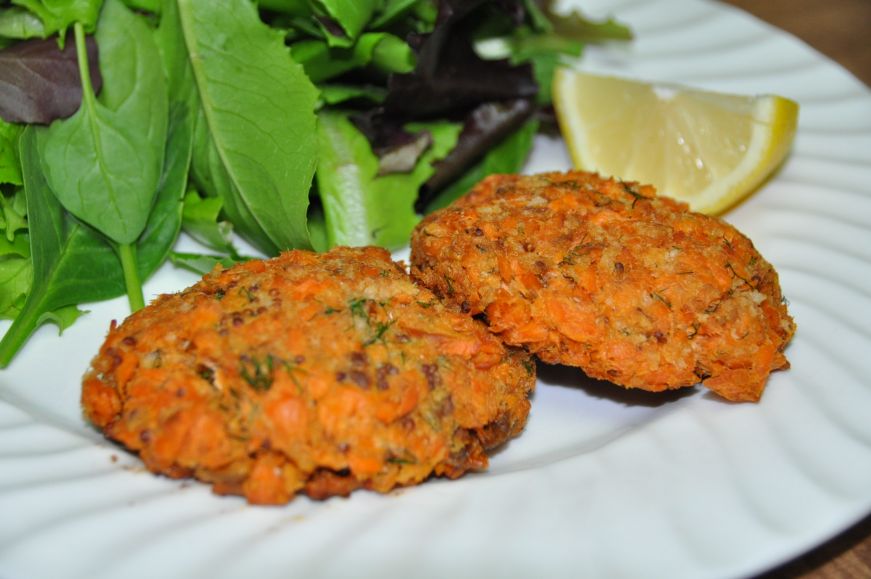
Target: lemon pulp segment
<point>705,148</point>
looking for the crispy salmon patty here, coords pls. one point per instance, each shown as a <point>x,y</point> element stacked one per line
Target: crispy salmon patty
<point>307,373</point>
<point>604,275</point>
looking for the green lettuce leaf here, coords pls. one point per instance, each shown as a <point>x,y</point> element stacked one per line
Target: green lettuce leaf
<point>255,142</point>
<point>20,24</point>
<point>10,171</point>
<point>202,263</point>
<point>16,275</point>
<point>58,15</point>
<point>333,94</point>
<point>393,10</point>
<point>384,51</point>
<point>361,208</point>
<point>201,219</point>
<point>13,214</point>
<point>351,17</point>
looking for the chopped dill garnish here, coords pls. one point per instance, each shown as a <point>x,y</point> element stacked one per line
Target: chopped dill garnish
<point>378,333</point>
<point>358,308</point>
<point>249,294</point>
<point>393,459</point>
<point>661,298</point>
<point>636,196</point>
<point>257,373</point>
<point>206,373</point>
<point>731,268</point>
<point>529,366</point>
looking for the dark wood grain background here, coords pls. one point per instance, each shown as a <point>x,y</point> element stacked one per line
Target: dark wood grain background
<point>841,30</point>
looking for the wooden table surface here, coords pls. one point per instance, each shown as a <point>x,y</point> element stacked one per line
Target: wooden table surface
<point>841,30</point>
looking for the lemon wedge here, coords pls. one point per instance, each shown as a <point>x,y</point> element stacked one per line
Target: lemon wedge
<point>705,148</point>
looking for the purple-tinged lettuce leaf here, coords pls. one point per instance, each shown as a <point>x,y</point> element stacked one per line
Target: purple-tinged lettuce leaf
<point>508,156</point>
<point>450,76</point>
<point>462,80</point>
<point>397,149</point>
<point>39,82</point>
<point>484,128</point>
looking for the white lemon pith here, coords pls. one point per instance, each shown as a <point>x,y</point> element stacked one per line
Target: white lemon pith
<point>705,148</point>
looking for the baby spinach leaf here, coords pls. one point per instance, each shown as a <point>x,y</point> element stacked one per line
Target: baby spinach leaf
<point>72,263</point>
<point>164,223</point>
<point>50,243</point>
<point>40,82</point>
<point>165,220</point>
<point>20,24</point>
<point>255,135</point>
<point>506,157</point>
<point>104,162</point>
<point>173,54</point>
<point>57,16</point>
<point>361,208</point>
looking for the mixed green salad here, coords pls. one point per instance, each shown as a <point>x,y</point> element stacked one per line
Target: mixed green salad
<point>292,123</point>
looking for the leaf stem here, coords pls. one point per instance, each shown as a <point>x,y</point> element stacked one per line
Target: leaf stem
<point>17,335</point>
<point>84,68</point>
<point>127,254</point>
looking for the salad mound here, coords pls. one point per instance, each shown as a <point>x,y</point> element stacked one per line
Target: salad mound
<point>292,123</point>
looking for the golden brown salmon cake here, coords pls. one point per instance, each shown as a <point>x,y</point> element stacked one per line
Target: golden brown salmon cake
<point>307,373</point>
<point>604,275</point>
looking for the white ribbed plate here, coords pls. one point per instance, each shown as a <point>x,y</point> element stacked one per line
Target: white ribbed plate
<point>603,483</point>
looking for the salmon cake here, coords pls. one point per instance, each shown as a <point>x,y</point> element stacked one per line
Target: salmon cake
<point>606,276</point>
<point>307,373</point>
